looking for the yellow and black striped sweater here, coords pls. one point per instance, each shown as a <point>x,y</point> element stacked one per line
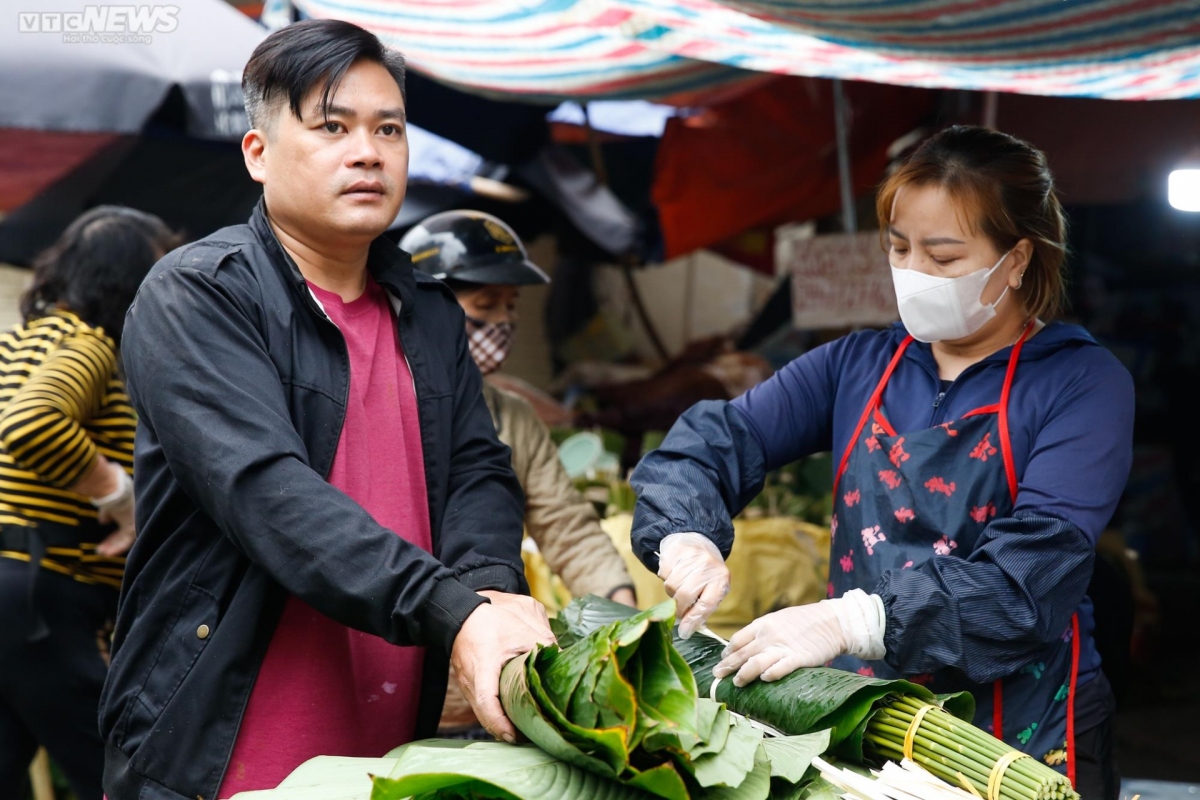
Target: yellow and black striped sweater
<point>61,402</point>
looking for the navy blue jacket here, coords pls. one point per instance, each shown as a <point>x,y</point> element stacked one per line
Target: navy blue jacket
<point>1071,422</point>
<point>240,382</point>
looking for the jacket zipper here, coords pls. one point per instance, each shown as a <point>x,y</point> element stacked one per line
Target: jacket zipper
<point>936,418</point>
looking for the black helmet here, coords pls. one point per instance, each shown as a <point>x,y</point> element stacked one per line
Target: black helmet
<point>472,247</point>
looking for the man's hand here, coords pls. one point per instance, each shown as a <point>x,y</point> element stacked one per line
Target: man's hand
<point>493,635</point>
<point>693,573</point>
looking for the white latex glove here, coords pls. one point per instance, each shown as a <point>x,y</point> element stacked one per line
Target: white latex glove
<point>117,508</point>
<point>775,645</point>
<point>693,573</point>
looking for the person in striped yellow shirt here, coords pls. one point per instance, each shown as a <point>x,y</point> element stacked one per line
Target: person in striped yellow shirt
<point>66,493</point>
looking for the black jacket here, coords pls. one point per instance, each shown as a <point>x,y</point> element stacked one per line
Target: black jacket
<point>240,382</point>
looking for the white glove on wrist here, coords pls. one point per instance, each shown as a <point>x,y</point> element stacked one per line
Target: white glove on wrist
<point>779,643</point>
<point>862,618</point>
<point>117,508</point>
<point>694,573</point>
<point>121,495</point>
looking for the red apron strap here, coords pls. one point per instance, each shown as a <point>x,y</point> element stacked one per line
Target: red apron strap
<point>882,422</point>
<point>1071,699</point>
<point>1010,467</point>
<point>994,408</point>
<point>998,710</point>
<point>872,404</point>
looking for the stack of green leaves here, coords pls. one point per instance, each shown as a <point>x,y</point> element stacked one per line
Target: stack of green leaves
<point>868,718</point>
<point>960,753</point>
<point>611,713</point>
<point>620,702</point>
<point>806,701</point>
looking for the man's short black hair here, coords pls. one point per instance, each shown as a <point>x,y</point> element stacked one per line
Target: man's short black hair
<point>293,60</point>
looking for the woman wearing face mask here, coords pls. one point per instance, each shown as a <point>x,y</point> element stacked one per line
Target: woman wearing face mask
<point>980,449</point>
<point>484,263</point>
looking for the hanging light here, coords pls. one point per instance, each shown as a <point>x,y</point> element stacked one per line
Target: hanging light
<point>1183,189</point>
<point>1183,184</point>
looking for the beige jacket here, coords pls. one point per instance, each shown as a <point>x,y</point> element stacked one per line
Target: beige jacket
<point>560,521</point>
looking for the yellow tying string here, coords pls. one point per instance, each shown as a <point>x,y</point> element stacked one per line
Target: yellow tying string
<point>970,787</point>
<point>912,730</point>
<point>1002,764</point>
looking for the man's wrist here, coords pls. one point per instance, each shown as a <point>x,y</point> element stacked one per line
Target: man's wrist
<point>449,605</point>
<point>496,577</point>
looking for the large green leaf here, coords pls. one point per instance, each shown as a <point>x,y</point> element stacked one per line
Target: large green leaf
<point>327,778</point>
<point>492,770</point>
<point>607,754</point>
<point>586,615</point>
<point>662,780</point>
<point>791,756</point>
<point>729,766</point>
<point>619,700</point>
<point>756,786</point>
<point>805,701</point>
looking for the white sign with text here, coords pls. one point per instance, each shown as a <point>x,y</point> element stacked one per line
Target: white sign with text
<point>839,280</point>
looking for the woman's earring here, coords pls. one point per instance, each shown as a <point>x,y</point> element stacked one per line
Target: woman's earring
<point>1020,280</point>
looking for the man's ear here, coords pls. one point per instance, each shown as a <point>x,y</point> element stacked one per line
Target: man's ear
<point>254,150</point>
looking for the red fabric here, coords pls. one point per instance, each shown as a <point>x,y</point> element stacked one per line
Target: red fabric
<point>1071,700</point>
<point>998,710</point>
<point>1010,467</point>
<point>325,689</point>
<point>30,161</point>
<point>770,156</point>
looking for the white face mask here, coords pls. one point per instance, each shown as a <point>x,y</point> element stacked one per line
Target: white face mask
<point>937,309</point>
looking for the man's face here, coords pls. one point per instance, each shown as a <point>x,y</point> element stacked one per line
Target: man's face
<point>338,177</point>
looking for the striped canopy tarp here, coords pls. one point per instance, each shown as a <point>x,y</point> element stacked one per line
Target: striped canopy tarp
<point>550,50</point>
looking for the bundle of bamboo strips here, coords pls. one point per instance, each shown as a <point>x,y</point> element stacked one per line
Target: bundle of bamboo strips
<point>961,754</point>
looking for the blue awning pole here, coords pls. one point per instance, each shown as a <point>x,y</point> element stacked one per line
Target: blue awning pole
<point>845,182</point>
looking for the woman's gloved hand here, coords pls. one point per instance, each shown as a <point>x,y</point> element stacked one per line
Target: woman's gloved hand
<point>693,573</point>
<point>775,645</point>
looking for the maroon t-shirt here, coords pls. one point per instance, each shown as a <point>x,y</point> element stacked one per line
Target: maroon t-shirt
<point>325,689</point>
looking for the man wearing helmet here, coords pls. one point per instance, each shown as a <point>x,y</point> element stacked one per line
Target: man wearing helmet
<point>485,264</point>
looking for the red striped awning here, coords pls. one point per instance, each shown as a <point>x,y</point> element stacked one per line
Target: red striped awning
<point>550,50</point>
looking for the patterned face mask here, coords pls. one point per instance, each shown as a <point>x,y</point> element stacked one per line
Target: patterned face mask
<point>489,343</point>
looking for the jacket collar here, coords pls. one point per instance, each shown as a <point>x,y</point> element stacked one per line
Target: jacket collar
<point>1055,336</point>
<point>390,266</point>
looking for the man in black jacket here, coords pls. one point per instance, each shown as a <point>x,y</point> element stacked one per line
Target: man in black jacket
<point>266,578</point>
